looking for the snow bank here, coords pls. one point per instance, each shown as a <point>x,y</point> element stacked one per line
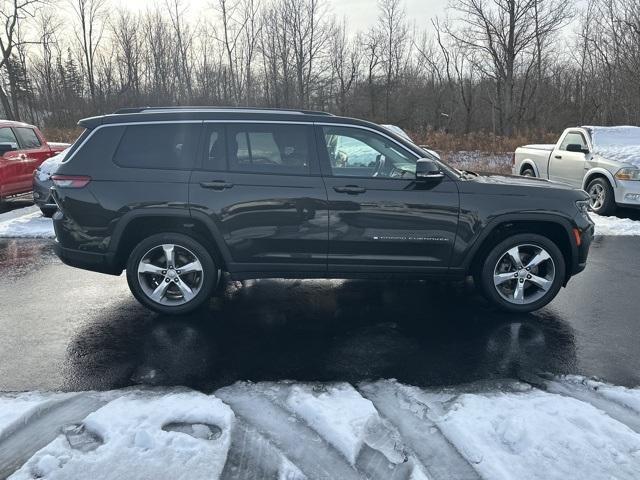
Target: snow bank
<point>498,430</point>
<point>141,435</point>
<point>620,143</point>
<point>339,413</point>
<point>534,434</point>
<point>18,407</point>
<point>615,225</point>
<point>26,222</point>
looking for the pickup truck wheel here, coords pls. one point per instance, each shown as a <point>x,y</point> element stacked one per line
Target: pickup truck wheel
<point>522,273</point>
<point>602,200</point>
<point>528,172</point>
<point>171,273</point>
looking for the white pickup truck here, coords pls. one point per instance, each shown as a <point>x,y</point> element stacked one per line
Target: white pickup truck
<point>604,161</point>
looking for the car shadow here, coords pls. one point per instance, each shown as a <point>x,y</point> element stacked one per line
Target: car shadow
<point>16,203</point>
<point>421,333</point>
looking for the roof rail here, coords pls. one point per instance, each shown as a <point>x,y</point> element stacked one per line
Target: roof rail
<point>219,109</point>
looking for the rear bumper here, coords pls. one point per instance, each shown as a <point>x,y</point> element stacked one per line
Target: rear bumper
<point>95,262</point>
<point>42,195</point>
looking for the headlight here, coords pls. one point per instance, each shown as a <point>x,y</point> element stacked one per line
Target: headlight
<point>628,174</point>
<point>583,206</point>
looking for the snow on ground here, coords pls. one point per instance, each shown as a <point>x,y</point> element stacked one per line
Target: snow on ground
<point>379,430</point>
<point>142,435</point>
<point>26,222</point>
<point>615,225</point>
<point>18,407</point>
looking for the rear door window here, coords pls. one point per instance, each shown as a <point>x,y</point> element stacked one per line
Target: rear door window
<point>28,138</point>
<point>279,149</point>
<point>167,146</point>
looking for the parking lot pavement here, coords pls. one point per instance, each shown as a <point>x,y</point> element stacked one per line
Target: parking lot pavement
<point>67,329</point>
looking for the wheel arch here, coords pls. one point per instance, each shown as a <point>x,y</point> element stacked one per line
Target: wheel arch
<point>136,225</point>
<point>555,228</point>
<point>529,163</point>
<point>598,172</point>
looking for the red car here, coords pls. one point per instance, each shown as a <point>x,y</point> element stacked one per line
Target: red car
<point>22,149</point>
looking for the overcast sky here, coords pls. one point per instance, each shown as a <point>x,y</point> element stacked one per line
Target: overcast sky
<point>360,14</point>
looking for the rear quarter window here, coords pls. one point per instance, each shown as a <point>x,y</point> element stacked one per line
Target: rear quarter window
<point>170,146</point>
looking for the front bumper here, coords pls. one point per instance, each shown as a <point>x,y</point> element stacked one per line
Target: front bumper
<point>627,193</point>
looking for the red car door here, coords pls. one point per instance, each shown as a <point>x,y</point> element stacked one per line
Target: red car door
<point>12,164</point>
<point>35,151</point>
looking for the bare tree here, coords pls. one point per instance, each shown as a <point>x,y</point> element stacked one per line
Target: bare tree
<point>90,15</point>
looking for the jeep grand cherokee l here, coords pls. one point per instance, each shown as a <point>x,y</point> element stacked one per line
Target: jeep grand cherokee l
<point>177,195</point>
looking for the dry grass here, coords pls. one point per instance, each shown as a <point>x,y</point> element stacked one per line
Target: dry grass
<point>67,135</point>
<point>480,141</point>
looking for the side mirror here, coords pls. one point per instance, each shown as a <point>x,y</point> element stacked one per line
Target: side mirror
<point>577,148</point>
<point>427,169</point>
<point>7,147</point>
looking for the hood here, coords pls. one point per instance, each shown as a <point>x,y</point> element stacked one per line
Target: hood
<point>518,181</point>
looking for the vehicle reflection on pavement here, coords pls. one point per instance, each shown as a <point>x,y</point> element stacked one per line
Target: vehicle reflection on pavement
<point>420,333</point>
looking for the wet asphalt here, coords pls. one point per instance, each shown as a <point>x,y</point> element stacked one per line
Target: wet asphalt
<point>68,329</point>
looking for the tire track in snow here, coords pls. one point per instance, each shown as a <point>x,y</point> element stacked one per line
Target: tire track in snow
<point>615,410</point>
<point>252,456</point>
<point>304,447</point>
<point>439,456</point>
<point>17,445</point>
<point>381,454</point>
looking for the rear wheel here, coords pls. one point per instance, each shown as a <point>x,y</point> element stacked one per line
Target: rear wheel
<point>602,199</point>
<point>522,273</point>
<point>528,172</point>
<point>171,273</point>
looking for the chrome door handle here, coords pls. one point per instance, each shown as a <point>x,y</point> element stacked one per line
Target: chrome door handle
<point>350,189</point>
<point>216,185</point>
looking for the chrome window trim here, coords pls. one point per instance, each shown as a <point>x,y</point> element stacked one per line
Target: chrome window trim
<point>247,121</point>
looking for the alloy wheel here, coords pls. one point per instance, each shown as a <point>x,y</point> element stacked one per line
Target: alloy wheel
<point>170,274</point>
<point>524,274</point>
<point>597,194</point>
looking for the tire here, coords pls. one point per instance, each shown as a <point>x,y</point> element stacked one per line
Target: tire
<point>528,172</point>
<point>548,272</point>
<point>603,201</point>
<point>48,212</point>
<point>163,278</point>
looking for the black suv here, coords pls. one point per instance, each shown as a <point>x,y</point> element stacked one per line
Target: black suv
<point>176,196</point>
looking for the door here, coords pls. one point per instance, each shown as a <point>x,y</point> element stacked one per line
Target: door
<point>569,167</point>
<point>14,167</point>
<point>380,218</point>
<point>35,148</point>
<point>260,184</point>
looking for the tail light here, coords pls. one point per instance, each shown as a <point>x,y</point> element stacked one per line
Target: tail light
<point>513,159</point>
<point>70,181</point>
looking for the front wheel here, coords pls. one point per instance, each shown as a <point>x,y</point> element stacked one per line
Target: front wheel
<point>522,273</point>
<point>171,273</point>
<point>602,199</point>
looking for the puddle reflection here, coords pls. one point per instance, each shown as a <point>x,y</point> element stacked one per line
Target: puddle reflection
<point>420,333</point>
